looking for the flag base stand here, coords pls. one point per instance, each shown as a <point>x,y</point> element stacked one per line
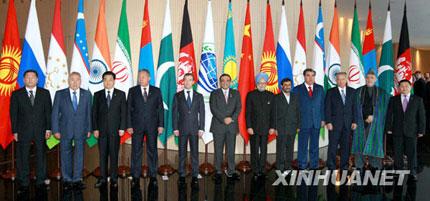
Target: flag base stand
<point>206,168</point>
<point>244,166</point>
<point>166,169</point>
<point>10,174</point>
<point>96,172</point>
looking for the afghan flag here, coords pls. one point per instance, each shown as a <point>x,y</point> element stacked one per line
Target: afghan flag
<point>319,49</point>
<point>283,52</point>
<point>369,50</point>
<point>166,79</point>
<point>187,60</point>
<point>80,62</point>
<point>333,57</point>
<point>403,69</point>
<point>356,71</point>
<point>268,58</point>
<point>33,57</point>
<point>208,70</point>
<point>300,54</point>
<point>246,75</point>
<point>101,61</point>
<point>386,64</point>
<point>10,58</point>
<point>230,64</point>
<point>146,58</point>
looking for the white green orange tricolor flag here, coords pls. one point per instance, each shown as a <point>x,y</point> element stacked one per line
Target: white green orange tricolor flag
<point>333,57</point>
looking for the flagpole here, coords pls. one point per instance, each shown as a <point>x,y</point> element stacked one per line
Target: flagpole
<point>10,174</point>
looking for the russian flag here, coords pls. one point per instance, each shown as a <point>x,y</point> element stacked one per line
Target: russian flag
<point>32,50</point>
<point>283,54</point>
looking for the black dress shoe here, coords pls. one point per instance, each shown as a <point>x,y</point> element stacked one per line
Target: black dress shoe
<point>67,186</point>
<point>181,181</point>
<point>153,181</point>
<point>23,189</point>
<point>195,183</point>
<point>218,178</point>
<point>234,177</point>
<point>42,187</point>
<point>412,178</point>
<point>78,186</point>
<point>114,184</point>
<point>135,183</point>
<point>100,183</point>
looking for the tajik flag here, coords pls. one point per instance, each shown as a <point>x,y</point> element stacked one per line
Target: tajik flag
<point>10,56</point>
<point>246,75</point>
<point>283,52</point>
<point>268,58</point>
<point>146,60</point>
<point>300,54</point>
<point>32,51</point>
<point>403,70</point>
<point>187,60</point>
<point>56,69</point>
<point>121,65</point>
<point>333,57</point>
<point>101,61</point>
<point>356,71</point>
<point>166,79</point>
<point>369,49</point>
<point>208,70</point>
<point>80,62</point>
<point>386,64</point>
<point>230,64</point>
<point>319,49</point>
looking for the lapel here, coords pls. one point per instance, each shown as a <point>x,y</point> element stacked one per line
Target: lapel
<point>284,99</point>
<point>27,98</point>
<point>113,95</point>
<point>411,98</point>
<point>69,98</point>
<point>141,93</point>
<point>81,98</point>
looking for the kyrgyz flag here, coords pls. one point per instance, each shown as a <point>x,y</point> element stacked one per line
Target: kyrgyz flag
<point>230,64</point>
<point>356,71</point>
<point>369,50</point>
<point>300,54</point>
<point>333,58</point>
<point>283,52</point>
<point>319,49</point>
<point>246,75</point>
<point>146,60</point>
<point>187,60</point>
<point>268,58</point>
<point>9,65</point>
<point>403,69</point>
<point>386,64</point>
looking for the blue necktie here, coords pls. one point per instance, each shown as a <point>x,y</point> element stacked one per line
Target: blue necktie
<point>189,99</point>
<point>108,99</point>
<point>75,101</point>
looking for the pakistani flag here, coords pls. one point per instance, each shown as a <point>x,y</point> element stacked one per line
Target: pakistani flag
<point>386,64</point>
<point>166,78</point>
<point>121,65</point>
<point>356,70</point>
<point>230,64</point>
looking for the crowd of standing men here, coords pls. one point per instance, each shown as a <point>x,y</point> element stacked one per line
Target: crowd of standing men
<point>357,121</point>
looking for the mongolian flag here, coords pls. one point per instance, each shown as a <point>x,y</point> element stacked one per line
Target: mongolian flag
<point>369,50</point>
<point>403,70</point>
<point>146,58</point>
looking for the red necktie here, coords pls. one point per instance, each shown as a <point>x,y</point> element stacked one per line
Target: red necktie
<point>311,93</point>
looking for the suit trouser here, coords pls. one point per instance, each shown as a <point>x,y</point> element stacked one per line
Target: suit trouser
<point>72,159</point>
<point>23,165</point>
<point>405,146</point>
<point>338,137</point>
<point>137,150</point>
<point>194,149</point>
<point>308,136</point>
<point>284,150</point>
<point>258,152</point>
<point>108,151</point>
<point>229,139</point>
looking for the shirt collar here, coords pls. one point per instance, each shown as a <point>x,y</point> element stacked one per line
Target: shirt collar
<point>307,86</point>
<point>77,90</point>
<point>407,95</point>
<point>33,89</point>
<point>225,90</point>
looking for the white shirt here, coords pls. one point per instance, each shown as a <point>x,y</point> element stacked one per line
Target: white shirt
<point>143,89</point>
<point>287,96</point>
<point>186,94</point>
<point>307,87</point>
<point>111,92</point>
<point>225,92</point>
<point>340,90</point>
<point>77,94</point>
<point>28,91</point>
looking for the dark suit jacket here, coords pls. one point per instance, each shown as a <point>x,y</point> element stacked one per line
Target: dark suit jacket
<point>188,120</point>
<point>71,124</point>
<point>420,89</point>
<point>220,110</point>
<point>141,115</point>
<point>109,120</point>
<point>409,123</point>
<point>311,108</point>
<point>286,115</point>
<point>337,113</point>
<point>27,120</point>
<point>258,112</point>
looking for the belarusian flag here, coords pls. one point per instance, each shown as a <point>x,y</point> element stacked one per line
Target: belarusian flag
<point>300,54</point>
<point>230,64</point>
<point>356,71</point>
<point>208,70</point>
<point>56,70</point>
<point>319,49</point>
<point>283,52</point>
<point>166,79</point>
<point>369,50</point>
<point>146,60</point>
<point>101,61</point>
<point>246,75</point>
<point>386,64</point>
<point>121,65</point>
<point>10,58</point>
<point>333,58</point>
<point>187,60</point>
<point>403,69</point>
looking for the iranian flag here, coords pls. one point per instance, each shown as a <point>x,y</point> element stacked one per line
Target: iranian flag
<point>333,57</point>
<point>300,54</point>
<point>386,64</point>
<point>356,71</point>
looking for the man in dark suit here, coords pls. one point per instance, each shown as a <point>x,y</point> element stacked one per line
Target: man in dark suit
<point>109,123</point>
<point>406,121</point>
<point>340,121</point>
<point>188,125</point>
<point>287,123</point>
<point>311,98</point>
<point>30,112</point>
<point>71,123</point>
<point>259,123</point>
<point>145,118</point>
<point>225,107</point>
